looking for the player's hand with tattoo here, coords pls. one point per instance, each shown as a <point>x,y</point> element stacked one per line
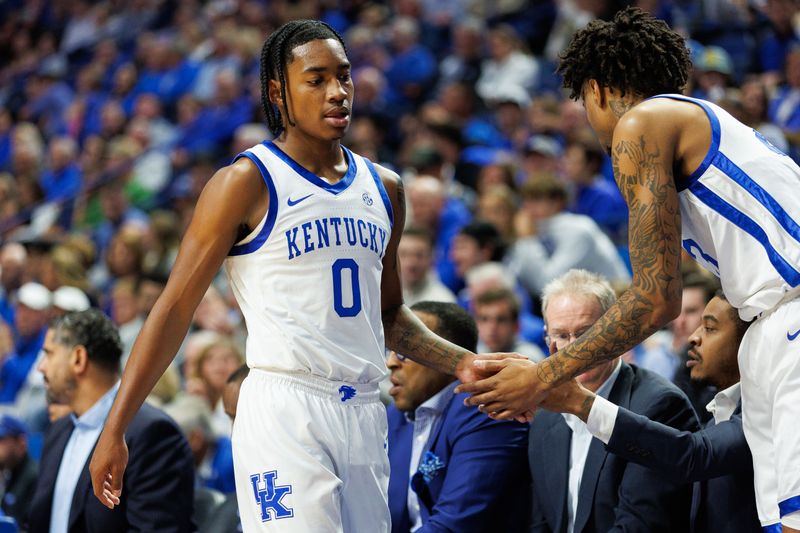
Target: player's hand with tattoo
<point>511,392</point>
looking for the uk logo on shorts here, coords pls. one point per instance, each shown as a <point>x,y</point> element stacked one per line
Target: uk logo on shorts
<point>347,392</point>
<point>269,495</point>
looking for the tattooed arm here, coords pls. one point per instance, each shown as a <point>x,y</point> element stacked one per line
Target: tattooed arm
<point>642,155</point>
<point>404,332</point>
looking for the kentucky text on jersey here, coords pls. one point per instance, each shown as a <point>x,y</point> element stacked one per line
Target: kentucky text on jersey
<point>335,231</point>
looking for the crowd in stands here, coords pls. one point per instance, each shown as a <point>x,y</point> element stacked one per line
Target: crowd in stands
<point>114,115</point>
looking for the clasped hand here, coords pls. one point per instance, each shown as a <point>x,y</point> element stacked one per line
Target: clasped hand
<point>512,389</point>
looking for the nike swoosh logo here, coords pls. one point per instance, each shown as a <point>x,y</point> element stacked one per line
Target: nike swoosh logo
<point>792,336</point>
<point>295,202</point>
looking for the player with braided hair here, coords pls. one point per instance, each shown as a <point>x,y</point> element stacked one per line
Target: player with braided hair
<point>693,177</point>
<point>319,287</point>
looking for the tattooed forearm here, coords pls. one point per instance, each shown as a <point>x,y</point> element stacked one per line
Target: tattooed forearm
<point>646,181</point>
<point>585,407</point>
<point>408,336</point>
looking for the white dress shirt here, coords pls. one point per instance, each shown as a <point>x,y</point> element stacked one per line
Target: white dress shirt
<point>724,403</point>
<point>603,415</point>
<point>425,418</point>
<point>579,449</point>
<point>76,453</point>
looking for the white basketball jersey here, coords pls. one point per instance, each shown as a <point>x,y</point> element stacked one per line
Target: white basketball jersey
<point>740,214</point>
<point>308,277</point>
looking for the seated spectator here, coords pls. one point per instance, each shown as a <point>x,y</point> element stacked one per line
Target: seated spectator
<point>215,364</point>
<point>496,276</point>
<point>13,259</point>
<point>498,205</point>
<point>230,396</point>
<point>453,468</point>
<point>213,455</point>
<point>476,243</point>
<point>61,179</point>
<point>716,458</point>
<point>17,469</point>
<point>419,280</point>
<point>784,110</point>
<point>594,195</point>
<point>714,73</point>
<point>496,313</point>
<point>577,484</point>
<point>30,324</point>
<point>431,208</point>
<point>562,241</point>
<point>412,69</point>
<point>82,369</point>
<point>508,67</point>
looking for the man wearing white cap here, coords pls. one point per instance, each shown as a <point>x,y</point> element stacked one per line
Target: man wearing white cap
<point>66,299</point>
<point>30,324</point>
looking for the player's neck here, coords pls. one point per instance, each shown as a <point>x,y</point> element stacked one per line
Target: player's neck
<point>318,156</point>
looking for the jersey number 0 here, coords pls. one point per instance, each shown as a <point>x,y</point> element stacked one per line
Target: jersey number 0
<point>344,284</point>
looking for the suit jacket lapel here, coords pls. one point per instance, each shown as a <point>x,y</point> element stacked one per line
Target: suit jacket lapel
<point>402,438</point>
<point>82,488</point>
<point>425,497</point>
<point>57,451</point>
<point>620,395</point>
<point>595,459</point>
<point>557,441</point>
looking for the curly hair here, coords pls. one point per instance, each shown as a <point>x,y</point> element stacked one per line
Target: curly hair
<point>634,53</point>
<point>93,330</point>
<point>277,53</point>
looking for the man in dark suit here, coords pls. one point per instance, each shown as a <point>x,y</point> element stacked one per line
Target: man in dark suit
<point>17,468</point>
<point>717,458</point>
<point>81,367</point>
<point>453,468</point>
<point>577,485</point>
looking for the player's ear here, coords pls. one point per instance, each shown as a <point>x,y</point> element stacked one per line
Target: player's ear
<point>597,93</point>
<point>275,93</point>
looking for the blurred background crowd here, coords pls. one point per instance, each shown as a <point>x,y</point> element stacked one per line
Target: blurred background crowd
<point>113,116</point>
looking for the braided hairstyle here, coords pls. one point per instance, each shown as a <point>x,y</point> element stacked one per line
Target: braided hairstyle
<point>634,53</point>
<point>277,53</point>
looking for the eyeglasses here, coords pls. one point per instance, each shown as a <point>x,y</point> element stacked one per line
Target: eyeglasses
<point>400,357</point>
<point>563,337</point>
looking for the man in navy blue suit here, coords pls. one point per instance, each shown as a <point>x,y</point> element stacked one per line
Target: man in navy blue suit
<point>453,468</point>
<point>717,458</point>
<point>578,486</point>
<point>81,367</point>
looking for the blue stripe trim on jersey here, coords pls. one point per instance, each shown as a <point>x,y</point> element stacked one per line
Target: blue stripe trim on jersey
<point>772,528</point>
<point>756,191</point>
<point>381,189</point>
<point>748,225</point>
<point>335,188</point>
<point>272,210</point>
<point>716,134</point>
<point>789,506</point>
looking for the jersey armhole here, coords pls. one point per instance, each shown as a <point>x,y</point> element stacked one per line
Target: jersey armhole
<point>382,190</point>
<point>716,134</point>
<point>246,246</point>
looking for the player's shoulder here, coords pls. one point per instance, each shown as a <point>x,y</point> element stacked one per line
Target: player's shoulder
<point>390,179</point>
<point>657,115</point>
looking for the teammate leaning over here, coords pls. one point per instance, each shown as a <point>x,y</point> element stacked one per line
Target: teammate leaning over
<point>308,233</point>
<point>692,176</point>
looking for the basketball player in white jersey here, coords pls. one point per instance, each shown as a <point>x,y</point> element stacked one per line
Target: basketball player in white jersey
<point>692,176</point>
<point>308,235</point>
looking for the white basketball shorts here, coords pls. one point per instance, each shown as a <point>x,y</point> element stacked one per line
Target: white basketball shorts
<point>310,455</point>
<point>769,362</point>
